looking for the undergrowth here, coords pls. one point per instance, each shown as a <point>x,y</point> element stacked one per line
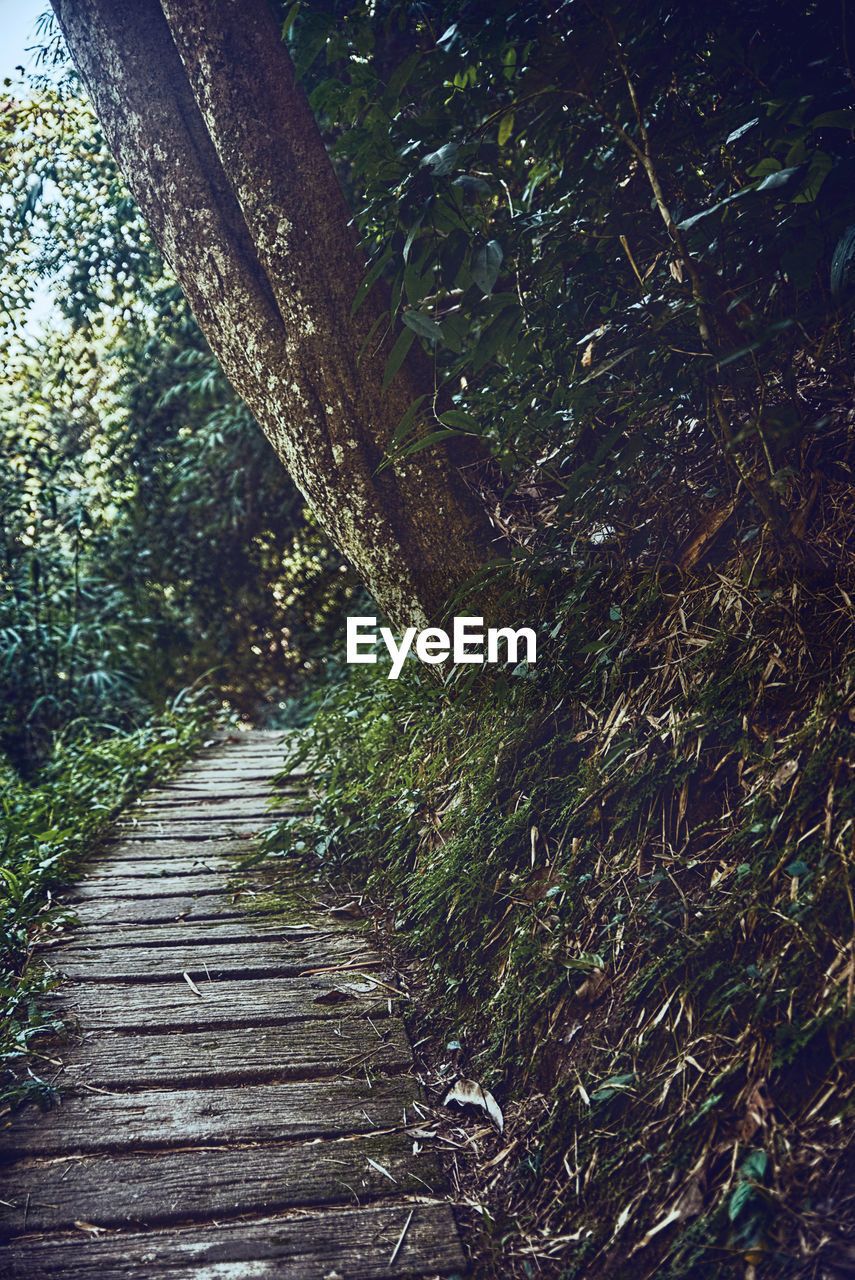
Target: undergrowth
<point>49,826</point>
<point>628,872</point>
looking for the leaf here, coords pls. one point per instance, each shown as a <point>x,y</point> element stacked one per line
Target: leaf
<point>486,262</point>
<point>752,1170</point>
<point>594,986</point>
<point>703,533</point>
<point>379,1167</point>
<point>769,164</point>
<point>383,318</point>
<point>843,263</point>
<point>497,334</point>
<point>506,128</point>
<point>398,354</point>
<point>834,120</point>
<point>741,1195</point>
<point>425,442</point>
<point>472,186</point>
<point>783,774</point>
<point>349,910</point>
<point>401,75</point>
<point>451,256</point>
<point>411,235</point>
<point>457,418</point>
<point>616,1084</point>
<point>370,279</point>
<point>687,223</point>
<point>422,325</point>
<point>783,178</point>
<point>741,131</point>
<point>470,1093</point>
<point>441,162</point>
<point>290,18</point>
<point>407,420</point>
<point>334,996</point>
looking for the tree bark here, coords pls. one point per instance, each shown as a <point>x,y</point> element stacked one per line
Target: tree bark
<point>219,146</point>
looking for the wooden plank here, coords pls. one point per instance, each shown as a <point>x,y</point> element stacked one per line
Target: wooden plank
<point>354,1243</point>
<point>95,887</point>
<point>165,1187</point>
<point>223,815</point>
<point>209,960</point>
<point>212,1117</point>
<point>128,847</point>
<point>212,793</point>
<point>272,761</point>
<point>208,808</point>
<point>247,765</point>
<point>211,830</point>
<point>150,888</point>
<point>160,866</point>
<point>114,911</point>
<point>237,929</point>
<point>311,1048</point>
<point>276,751</point>
<point>101,1006</point>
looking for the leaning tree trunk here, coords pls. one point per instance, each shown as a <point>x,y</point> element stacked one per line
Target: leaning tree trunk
<point>198,103</point>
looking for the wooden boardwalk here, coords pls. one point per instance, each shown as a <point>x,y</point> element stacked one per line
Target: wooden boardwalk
<point>237,1099</point>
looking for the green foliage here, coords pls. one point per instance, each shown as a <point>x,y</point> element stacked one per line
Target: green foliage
<point>48,828</point>
<point>632,891</point>
<point>149,534</point>
<point>613,225</point>
<point>623,234</point>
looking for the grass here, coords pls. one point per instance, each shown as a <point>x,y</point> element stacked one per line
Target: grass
<point>49,827</point>
<point>629,877</point>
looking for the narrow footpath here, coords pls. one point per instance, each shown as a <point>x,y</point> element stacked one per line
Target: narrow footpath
<point>237,1097</point>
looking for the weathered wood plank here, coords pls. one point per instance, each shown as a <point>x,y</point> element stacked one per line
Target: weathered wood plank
<point>237,766</point>
<point>213,1116</point>
<point>215,810</point>
<point>353,1243</point>
<point>206,960</point>
<point>150,888</point>
<point>165,1187</point>
<point>221,795</point>
<point>212,830</point>
<point>96,887</point>
<point>255,1002</point>
<point>237,929</point>
<point>250,1055</point>
<point>159,865</point>
<point>273,762</point>
<point>129,847</point>
<point>116,911</point>
<point>199,1075</point>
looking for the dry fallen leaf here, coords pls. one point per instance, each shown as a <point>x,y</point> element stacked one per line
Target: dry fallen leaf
<point>350,910</point>
<point>786,771</point>
<point>192,985</point>
<point>333,997</point>
<point>593,987</point>
<point>470,1093</point>
<point>757,1108</point>
<point>380,1169</point>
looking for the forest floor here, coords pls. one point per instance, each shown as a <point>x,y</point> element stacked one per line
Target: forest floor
<point>238,1094</point>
